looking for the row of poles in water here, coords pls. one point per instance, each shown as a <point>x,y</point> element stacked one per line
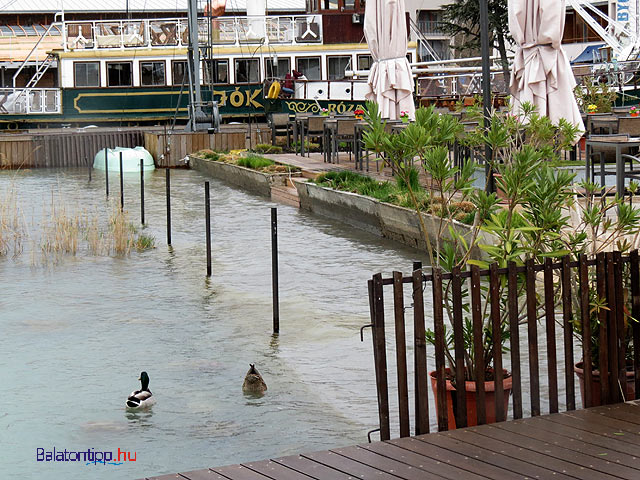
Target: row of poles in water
<point>207,208</point>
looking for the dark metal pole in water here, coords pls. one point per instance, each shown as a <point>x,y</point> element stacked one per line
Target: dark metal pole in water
<point>417,265</point>
<point>106,171</point>
<point>168,184</point>
<point>88,165</point>
<point>142,190</point>
<point>121,186</point>
<point>207,216</point>
<point>274,269</point>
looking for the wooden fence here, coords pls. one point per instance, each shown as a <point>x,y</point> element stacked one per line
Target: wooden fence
<point>560,294</point>
<point>169,150</point>
<point>61,149</point>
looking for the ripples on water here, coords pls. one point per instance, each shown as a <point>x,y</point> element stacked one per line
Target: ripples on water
<point>76,334</point>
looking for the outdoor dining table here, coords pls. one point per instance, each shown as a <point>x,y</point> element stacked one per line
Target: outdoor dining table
<point>619,145</point>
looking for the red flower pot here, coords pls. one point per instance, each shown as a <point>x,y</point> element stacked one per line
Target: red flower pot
<point>596,401</point>
<point>472,415</point>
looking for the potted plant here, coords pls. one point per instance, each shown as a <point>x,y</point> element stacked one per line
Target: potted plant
<point>358,113</point>
<point>634,112</point>
<point>591,92</point>
<point>324,112</point>
<point>605,223</point>
<point>404,116</point>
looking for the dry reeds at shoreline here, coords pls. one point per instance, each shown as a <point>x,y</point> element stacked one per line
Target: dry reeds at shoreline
<point>63,231</point>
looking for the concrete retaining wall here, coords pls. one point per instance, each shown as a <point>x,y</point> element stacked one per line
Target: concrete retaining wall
<point>389,221</point>
<point>251,180</point>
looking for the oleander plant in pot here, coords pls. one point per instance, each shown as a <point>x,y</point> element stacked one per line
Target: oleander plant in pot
<point>515,231</point>
<point>605,223</point>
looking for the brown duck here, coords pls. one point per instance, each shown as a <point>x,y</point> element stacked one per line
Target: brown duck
<point>253,382</point>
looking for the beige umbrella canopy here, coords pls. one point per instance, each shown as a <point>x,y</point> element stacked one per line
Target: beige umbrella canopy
<point>541,71</point>
<point>390,81</point>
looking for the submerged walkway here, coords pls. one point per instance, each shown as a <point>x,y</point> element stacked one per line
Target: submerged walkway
<point>600,442</point>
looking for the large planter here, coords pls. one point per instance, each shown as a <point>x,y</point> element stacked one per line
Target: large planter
<point>596,401</point>
<point>490,399</point>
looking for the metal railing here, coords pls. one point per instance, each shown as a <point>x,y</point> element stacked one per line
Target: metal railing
<point>21,101</point>
<point>431,28</point>
<point>173,32</point>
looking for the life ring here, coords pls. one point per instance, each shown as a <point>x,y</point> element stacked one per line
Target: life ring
<point>274,90</point>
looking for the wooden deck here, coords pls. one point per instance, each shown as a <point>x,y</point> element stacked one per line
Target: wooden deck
<point>600,442</point>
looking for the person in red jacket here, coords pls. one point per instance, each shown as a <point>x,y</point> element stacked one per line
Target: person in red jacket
<point>289,82</point>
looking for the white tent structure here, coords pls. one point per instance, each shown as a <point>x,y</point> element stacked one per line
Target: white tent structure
<point>390,82</point>
<point>541,71</point>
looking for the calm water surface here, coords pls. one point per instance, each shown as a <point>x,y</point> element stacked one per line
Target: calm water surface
<point>77,333</point>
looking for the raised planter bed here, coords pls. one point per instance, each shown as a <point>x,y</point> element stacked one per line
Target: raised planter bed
<point>251,180</point>
<point>384,219</point>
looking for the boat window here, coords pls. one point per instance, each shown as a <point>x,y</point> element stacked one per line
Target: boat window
<point>247,70</point>
<point>179,72</point>
<point>216,71</point>
<point>309,67</point>
<point>330,4</point>
<point>86,74</point>
<point>336,66</point>
<point>119,74</point>
<point>349,4</point>
<point>277,68</point>
<point>152,73</point>
<point>365,62</point>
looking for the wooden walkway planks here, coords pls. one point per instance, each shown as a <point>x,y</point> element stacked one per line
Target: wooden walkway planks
<point>601,442</point>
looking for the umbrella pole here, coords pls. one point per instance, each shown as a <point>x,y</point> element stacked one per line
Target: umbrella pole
<point>486,90</point>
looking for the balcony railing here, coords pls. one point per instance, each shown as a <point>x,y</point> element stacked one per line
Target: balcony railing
<point>431,28</point>
<point>175,32</point>
<point>21,101</point>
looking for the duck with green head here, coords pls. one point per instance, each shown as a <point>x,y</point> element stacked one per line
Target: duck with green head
<point>142,398</point>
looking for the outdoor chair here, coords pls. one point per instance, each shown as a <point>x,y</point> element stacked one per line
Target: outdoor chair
<point>629,125</point>
<point>345,131</point>
<point>279,124</point>
<point>315,129</point>
<point>603,156</point>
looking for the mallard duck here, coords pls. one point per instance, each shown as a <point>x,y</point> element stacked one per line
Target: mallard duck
<point>253,382</point>
<point>142,398</point>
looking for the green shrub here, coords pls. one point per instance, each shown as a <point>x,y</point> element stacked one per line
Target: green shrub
<point>265,148</point>
<point>412,177</point>
<point>144,242</point>
<point>209,155</point>
<point>254,162</point>
<point>308,147</point>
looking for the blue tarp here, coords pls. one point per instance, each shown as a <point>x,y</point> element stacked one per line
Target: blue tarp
<point>587,56</point>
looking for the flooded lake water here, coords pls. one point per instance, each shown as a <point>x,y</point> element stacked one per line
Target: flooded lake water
<point>76,333</point>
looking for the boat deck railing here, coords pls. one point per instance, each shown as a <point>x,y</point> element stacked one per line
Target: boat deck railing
<point>174,32</point>
<point>21,101</point>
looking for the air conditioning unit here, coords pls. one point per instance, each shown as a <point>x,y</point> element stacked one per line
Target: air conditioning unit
<point>357,18</point>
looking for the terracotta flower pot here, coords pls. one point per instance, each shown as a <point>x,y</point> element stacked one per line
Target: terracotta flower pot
<point>630,394</point>
<point>634,114</point>
<point>470,387</point>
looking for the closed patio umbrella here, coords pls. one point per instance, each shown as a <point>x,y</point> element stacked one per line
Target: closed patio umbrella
<point>541,71</point>
<point>390,82</point>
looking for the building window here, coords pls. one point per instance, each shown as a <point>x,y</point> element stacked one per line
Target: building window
<point>365,62</point>
<point>337,66</point>
<point>179,72</point>
<point>216,71</point>
<point>86,74</point>
<point>349,4</point>
<point>277,70</point>
<point>309,67</point>
<point>330,4</point>
<point>248,70</point>
<point>152,74</point>
<point>119,74</point>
